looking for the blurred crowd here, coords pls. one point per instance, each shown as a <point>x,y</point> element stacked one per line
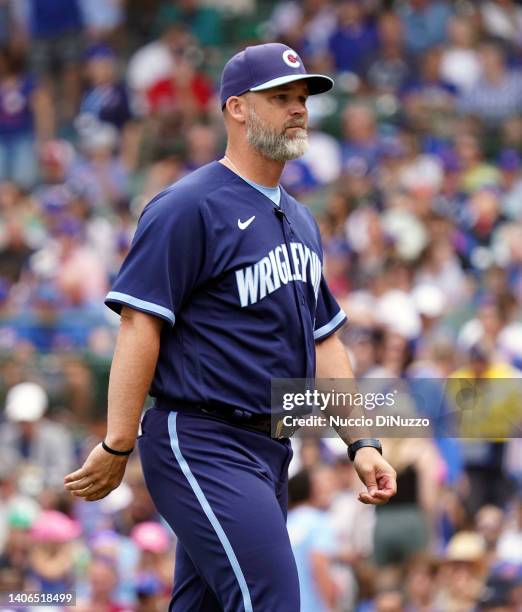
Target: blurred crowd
<point>414,171</point>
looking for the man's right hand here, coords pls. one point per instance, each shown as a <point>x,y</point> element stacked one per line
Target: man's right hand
<point>98,476</point>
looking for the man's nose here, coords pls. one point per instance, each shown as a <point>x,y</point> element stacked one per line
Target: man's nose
<point>298,108</point>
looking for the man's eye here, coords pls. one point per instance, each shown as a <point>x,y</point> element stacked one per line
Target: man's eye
<point>281,96</point>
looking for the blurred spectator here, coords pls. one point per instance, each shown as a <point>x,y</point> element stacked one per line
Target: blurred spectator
<point>361,343</point>
<point>160,174</point>
<point>202,146</point>
<point>389,600</point>
<point>509,546</point>
<point>501,592</point>
<point>186,93</point>
<point>26,117</point>
<point>72,271</point>
<point>425,23</point>
<point>15,250</point>
<point>40,451</point>
<point>353,39</point>
<point>149,593</point>
<point>81,279</point>
<point>100,172</point>
<point>18,542</point>
<point>12,17</point>
<point>480,336</point>
<point>155,568</point>
<point>449,202</point>
<point>429,99</point>
<point>78,387</point>
<point>17,512</point>
<point>115,548</point>
<point>102,18</point>
<point>404,527</point>
<point>103,580</point>
<point>312,537</point>
<point>335,215</point>
<point>53,194</point>
<point>337,263</point>
<point>361,138</point>
<point>439,267</point>
<point>462,575</point>
<point>511,183</point>
<point>353,524</point>
<point>306,26</point>
<point>489,520</point>
<point>476,172</point>
<point>106,99</point>
<point>420,584</point>
<point>154,61</point>
<point>52,555</point>
<point>56,31</point>
<point>460,64</point>
<point>203,22</point>
<point>140,508</point>
<point>497,95</point>
<point>483,457</point>
<point>503,19</point>
<point>511,133</point>
<point>389,67</point>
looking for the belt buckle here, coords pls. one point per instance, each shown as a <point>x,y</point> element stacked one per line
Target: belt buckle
<point>279,429</point>
<point>283,431</point>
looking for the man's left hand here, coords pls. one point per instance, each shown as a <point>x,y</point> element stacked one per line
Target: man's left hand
<point>377,474</point>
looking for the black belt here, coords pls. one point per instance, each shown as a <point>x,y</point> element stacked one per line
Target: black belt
<point>258,422</point>
<point>270,425</point>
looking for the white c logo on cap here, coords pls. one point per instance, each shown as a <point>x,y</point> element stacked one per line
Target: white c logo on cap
<point>291,58</point>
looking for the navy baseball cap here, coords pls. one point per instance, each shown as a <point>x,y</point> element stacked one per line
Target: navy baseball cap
<point>261,67</point>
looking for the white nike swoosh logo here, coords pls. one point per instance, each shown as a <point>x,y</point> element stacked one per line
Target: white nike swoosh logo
<point>244,224</point>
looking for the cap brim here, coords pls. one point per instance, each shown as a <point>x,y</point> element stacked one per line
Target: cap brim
<point>318,83</point>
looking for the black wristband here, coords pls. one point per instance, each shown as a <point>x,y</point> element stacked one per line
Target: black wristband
<point>116,452</point>
<point>372,442</point>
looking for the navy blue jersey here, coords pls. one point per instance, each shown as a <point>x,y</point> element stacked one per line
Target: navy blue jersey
<point>239,283</point>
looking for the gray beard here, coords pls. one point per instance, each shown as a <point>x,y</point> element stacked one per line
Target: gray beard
<point>272,144</point>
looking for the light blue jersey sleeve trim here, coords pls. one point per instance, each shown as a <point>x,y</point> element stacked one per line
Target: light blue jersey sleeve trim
<point>150,307</point>
<point>174,443</point>
<point>334,323</point>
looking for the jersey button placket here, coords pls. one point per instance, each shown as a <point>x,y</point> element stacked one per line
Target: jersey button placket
<point>288,233</point>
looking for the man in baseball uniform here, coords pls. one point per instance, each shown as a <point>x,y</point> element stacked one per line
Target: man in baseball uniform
<point>222,291</point>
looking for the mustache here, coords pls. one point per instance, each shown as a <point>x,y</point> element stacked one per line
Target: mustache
<point>299,124</point>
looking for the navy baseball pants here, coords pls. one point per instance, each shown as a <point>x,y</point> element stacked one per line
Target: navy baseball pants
<point>223,490</point>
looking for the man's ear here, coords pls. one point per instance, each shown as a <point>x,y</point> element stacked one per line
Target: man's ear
<point>236,108</point>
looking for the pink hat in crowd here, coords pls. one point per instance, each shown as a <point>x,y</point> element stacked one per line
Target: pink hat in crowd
<point>54,526</point>
<point>151,536</point>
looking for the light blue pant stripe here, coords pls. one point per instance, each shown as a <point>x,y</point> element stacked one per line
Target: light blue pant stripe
<point>174,443</point>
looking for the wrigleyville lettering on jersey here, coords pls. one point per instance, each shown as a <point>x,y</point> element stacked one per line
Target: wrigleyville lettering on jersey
<point>268,274</point>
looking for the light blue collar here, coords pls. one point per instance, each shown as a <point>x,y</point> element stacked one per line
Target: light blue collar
<point>274,193</point>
